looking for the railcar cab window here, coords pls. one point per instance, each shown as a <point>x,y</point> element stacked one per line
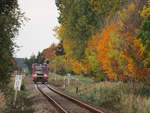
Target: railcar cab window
<point>40,69</point>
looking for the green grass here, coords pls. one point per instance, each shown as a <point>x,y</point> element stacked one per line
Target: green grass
<point>83,79</point>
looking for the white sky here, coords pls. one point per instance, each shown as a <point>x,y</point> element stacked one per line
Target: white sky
<point>37,34</point>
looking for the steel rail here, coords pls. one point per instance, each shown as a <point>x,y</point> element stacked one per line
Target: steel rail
<point>89,107</point>
<point>53,101</point>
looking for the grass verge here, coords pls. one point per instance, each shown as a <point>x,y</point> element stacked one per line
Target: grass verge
<point>115,96</point>
<point>23,102</point>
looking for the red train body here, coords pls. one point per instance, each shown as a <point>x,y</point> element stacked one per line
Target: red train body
<point>40,73</point>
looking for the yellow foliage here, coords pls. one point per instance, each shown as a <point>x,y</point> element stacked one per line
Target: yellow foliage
<point>60,32</point>
<point>133,54</point>
<point>112,75</point>
<point>67,44</point>
<point>129,59</point>
<point>146,10</point>
<point>79,67</point>
<point>123,13</point>
<point>130,67</point>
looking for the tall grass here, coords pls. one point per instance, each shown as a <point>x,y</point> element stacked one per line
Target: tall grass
<point>119,97</point>
<point>22,105</point>
<point>2,102</point>
<point>130,103</point>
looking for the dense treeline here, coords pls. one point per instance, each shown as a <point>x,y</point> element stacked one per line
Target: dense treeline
<point>34,59</point>
<point>10,22</point>
<point>106,39</point>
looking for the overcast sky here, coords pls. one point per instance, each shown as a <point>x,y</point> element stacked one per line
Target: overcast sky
<point>37,34</point>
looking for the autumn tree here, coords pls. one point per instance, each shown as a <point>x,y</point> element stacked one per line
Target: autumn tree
<point>101,36</point>
<point>49,53</point>
<point>120,53</point>
<point>84,18</point>
<point>93,65</point>
<point>103,51</point>
<point>146,9</point>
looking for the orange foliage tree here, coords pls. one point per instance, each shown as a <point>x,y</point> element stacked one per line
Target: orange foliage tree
<point>79,67</point>
<point>49,53</point>
<point>93,64</point>
<point>134,55</point>
<point>103,50</point>
<point>121,55</point>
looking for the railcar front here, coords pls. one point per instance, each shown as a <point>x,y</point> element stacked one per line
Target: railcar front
<point>40,73</point>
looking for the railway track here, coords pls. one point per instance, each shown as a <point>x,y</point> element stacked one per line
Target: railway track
<point>60,108</point>
<point>65,103</point>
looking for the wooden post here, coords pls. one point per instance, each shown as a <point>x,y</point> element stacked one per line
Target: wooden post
<point>55,72</point>
<point>77,90</point>
<point>15,97</point>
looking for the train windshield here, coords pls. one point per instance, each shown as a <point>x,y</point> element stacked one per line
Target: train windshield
<point>40,69</point>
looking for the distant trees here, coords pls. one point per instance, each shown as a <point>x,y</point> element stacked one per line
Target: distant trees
<point>83,18</point>
<point>10,22</point>
<point>34,59</point>
<point>58,62</point>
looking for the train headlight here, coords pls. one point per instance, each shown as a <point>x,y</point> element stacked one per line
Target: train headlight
<point>45,77</point>
<point>34,75</point>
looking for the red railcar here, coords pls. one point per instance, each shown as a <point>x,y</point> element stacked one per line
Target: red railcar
<point>39,73</point>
